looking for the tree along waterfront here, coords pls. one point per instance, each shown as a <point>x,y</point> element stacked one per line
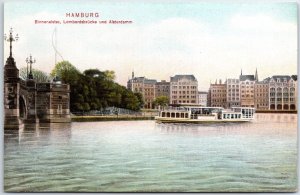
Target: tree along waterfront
<point>94,89</point>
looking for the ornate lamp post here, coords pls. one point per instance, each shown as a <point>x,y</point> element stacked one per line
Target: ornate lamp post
<point>30,61</point>
<point>10,39</point>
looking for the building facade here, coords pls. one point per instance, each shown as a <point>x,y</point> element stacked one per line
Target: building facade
<point>202,98</point>
<point>247,83</point>
<point>149,93</point>
<point>162,89</point>
<point>261,98</point>
<point>278,92</point>
<point>183,89</point>
<point>218,95</point>
<point>136,84</point>
<point>283,92</point>
<point>146,87</point>
<point>233,93</point>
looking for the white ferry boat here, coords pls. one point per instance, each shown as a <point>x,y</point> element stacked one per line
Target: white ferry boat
<point>197,114</point>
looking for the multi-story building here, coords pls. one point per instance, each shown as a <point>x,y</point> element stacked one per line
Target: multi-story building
<point>162,89</point>
<point>247,83</point>
<point>233,93</point>
<point>144,86</point>
<point>283,92</point>
<point>261,97</point>
<point>149,93</point>
<point>183,89</point>
<point>274,93</point>
<point>136,84</point>
<point>218,95</point>
<point>202,98</point>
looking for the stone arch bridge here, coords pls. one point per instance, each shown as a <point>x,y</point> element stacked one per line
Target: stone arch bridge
<point>26,101</point>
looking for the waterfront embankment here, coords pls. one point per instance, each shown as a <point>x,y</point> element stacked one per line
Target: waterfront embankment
<point>110,118</point>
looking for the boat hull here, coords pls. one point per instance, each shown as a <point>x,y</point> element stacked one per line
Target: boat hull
<point>198,121</point>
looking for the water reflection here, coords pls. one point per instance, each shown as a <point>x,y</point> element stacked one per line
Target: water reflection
<point>278,118</point>
<point>39,132</point>
<point>264,124</point>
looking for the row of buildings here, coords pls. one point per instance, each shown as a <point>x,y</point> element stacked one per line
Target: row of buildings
<point>273,93</point>
<point>181,89</point>
<point>278,92</point>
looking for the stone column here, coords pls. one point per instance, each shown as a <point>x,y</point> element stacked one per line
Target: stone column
<point>31,102</point>
<point>11,96</point>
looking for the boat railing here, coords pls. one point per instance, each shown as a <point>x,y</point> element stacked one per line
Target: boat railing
<point>174,109</point>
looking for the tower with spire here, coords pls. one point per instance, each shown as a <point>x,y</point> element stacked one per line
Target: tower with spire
<point>256,75</point>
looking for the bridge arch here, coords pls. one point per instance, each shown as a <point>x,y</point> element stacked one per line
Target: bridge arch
<point>22,107</point>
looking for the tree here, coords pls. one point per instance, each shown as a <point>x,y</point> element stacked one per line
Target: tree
<point>38,75</point>
<point>66,71</point>
<point>110,75</point>
<point>130,101</point>
<point>161,101</point>
<point>95,89</point>
<point>93,73</point>
<point>140,99</point>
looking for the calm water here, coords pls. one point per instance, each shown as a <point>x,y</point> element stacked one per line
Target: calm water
<point>145,156</point>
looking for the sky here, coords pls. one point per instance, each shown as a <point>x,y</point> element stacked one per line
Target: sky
<point>210,40</point>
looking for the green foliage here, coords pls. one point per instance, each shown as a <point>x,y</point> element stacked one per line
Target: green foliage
<point>110,75</point>
<point>66,72</point>
<point>161,101</point>
<point>93,73</point>
<point>140,99</point>
<point>95,89</point>
<point>38,75</point>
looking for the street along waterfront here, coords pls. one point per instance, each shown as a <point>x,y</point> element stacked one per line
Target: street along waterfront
<point>145,156</point>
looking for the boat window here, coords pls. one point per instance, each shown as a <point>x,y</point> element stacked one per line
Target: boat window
<point>177,115</point>
<point>172,115</point>
<point>182,115</point>
<point>186,115</point>
<point>163,114</point>
<point>168,114</point>
<point>232,115</point>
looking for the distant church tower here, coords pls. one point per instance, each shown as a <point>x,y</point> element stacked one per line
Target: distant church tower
<point>256,75</point>
<point>132,74</point>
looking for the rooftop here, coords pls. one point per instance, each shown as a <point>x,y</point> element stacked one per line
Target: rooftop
<point>247,77</point>
<point>176,78</point>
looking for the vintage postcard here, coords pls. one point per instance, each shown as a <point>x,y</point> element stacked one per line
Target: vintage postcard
<point>150,96</point>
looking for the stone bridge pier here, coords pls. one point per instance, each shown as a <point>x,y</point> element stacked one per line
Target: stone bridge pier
<point>31,102</point>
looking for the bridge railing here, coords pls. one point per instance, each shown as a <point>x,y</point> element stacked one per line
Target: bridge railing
<point>60,87</point>
<point>22,83</point>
